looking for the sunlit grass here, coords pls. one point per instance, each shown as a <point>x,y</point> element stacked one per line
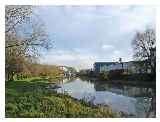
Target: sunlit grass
<point>33,99</point>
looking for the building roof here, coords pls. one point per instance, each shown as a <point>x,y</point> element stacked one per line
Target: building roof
<point>117,62</point>
<point>105,62</point>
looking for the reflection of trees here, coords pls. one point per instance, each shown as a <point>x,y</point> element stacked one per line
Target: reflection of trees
<point>144,94</point>
<point>146,104</point>
<point>101,87</point>
<point>89,79</point>
<point>152,109</point>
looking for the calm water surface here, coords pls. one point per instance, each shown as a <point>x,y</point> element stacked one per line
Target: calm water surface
<point>133,100</point>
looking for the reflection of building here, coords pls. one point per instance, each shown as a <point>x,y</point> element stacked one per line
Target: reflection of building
<point>129,67</point>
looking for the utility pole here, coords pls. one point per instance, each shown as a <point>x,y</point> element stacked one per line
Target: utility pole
<point>120,61</point>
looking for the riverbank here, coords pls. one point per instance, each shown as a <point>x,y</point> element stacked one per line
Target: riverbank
<point>120,81</point>
<point>31,98</point>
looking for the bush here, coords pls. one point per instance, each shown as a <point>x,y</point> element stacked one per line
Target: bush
<point>115,74</point>
<point>104,75</point>
<point>111,75</point>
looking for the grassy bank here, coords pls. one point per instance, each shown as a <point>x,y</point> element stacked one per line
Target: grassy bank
<point>30,98</point>
<point>51,79</point>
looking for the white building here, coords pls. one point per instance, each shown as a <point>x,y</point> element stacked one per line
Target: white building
<point>63,68</point>
<point>66,71</point>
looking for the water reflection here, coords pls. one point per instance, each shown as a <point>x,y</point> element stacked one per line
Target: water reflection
<point>133,100</point>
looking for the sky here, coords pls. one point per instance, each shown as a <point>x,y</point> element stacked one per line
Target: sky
<point>83,35</point>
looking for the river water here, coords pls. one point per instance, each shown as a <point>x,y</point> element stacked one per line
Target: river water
<point>134,101</point>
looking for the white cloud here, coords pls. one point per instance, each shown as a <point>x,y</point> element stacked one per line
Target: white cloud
<point>69,58</point>
<point>107,47</point>
<point>78,29</point>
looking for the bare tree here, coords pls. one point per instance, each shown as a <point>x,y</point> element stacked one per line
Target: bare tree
<point>22,18</point>
<point>144,47</point>
<point>25,36</point>
<point>16,15</point>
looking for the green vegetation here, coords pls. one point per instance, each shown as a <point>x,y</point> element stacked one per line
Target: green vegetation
<point>30,79</point>
<point>121,75</point>
<point>104,75</point>
<point>32,99</point>
<point>27,80</point>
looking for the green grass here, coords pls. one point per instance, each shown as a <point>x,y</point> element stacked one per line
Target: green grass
<point>30,98</point>
<point>50,79</point>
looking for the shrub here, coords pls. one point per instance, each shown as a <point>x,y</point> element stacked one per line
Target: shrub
<point>104,75</point>
<point>115,74</point>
